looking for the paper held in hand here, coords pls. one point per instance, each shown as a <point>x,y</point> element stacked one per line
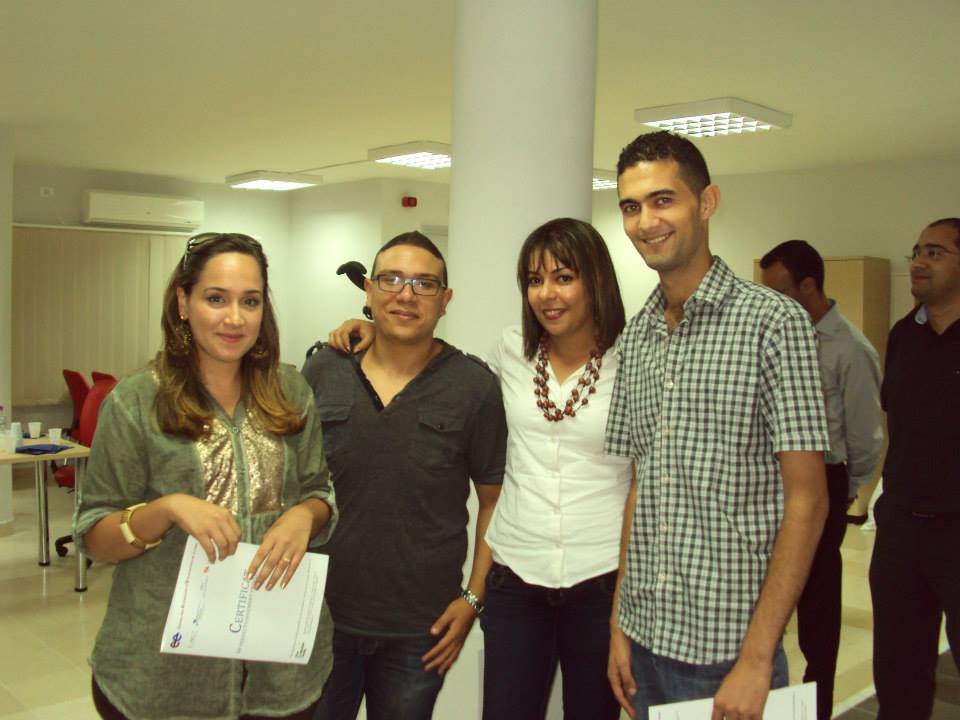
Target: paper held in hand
<point>216,612</point>
<point>797,702</point>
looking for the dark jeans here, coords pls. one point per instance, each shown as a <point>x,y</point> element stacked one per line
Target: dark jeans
<point>108,711</point>
<point>818,611</point>
<point>528,629</point>
<point>388,671</point>
<point>663,680</point>
<point>914,581</point>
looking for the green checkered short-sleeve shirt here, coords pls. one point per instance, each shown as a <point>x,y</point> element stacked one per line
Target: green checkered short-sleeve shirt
<point>703,410</point>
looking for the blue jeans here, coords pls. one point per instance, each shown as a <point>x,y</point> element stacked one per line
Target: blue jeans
<point>528,629</point>
<point>663,680</point>
<point>387,670</point>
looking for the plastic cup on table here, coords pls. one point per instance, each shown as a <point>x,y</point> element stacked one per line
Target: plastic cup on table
<point>35,428</point>
<point>54,434</point>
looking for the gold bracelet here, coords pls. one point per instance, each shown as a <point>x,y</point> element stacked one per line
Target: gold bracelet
<point>128,533</point>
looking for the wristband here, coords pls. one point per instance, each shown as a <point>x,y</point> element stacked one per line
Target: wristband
<point>472,600</point>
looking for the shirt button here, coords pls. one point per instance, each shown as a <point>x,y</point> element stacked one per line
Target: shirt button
<point>661,577</point>
<point>668,384</point>
<point>666,431</point>
<point>664,479</point>
<point>665,529</point>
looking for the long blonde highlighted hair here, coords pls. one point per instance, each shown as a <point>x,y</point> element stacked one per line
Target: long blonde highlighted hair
<point>182,406</point>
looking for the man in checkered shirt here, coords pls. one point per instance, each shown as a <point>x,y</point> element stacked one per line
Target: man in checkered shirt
<point>718,400</point>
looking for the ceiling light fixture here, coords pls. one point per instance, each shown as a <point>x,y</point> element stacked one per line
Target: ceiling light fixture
<point>422,154</point>
<point>604,179</point>
<point>709,118</point>
<point>269,180</point>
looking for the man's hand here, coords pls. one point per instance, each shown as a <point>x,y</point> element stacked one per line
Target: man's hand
<point>743,692</point>
<point>339,338</point>
<point>618,670</point>
<point>457,619</point>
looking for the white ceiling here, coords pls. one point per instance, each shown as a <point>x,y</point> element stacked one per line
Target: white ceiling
<point>202,89</point>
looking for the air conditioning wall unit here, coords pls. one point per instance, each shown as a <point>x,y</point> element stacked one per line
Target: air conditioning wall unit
<point>107,207</point>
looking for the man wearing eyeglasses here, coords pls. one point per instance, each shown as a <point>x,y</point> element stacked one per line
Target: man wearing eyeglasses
<point>406,425</point>
<point>914,576</point>
<point>850,371</point>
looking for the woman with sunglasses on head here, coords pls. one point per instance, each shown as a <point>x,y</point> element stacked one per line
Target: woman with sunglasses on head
<point>218,441</point>
<point>555,532</point>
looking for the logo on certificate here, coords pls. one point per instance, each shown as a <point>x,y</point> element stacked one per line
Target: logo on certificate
<point>175,641</point>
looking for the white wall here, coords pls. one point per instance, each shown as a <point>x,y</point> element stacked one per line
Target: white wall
<point>306,234</point>
<point>262,215</point>
<point>876,210</point>
<point>6,293</point>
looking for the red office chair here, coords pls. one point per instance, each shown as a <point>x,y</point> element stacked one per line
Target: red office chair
<point>66,476</point>
<point>78,388</point>
<point>103,376</point>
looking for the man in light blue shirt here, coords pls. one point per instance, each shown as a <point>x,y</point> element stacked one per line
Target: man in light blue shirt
<point>850,371</point>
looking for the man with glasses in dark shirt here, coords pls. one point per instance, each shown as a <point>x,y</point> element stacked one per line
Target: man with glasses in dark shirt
<point>914,576</point>
<point>406,425</point>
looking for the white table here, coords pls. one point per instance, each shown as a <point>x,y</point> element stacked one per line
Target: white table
<point>76,453</point>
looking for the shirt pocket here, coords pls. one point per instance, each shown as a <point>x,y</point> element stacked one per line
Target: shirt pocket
<point>334,417</point>
<point>437,443</point>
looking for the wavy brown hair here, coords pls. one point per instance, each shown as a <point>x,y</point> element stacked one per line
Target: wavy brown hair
<point>579,247</point>
<point>183,406</point>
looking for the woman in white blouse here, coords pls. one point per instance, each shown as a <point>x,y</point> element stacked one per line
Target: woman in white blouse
<point>555,533</point>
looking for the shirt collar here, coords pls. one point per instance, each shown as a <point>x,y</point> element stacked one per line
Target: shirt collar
<point>830,322</point>
<point>713,289</point>
<point>716,285</point>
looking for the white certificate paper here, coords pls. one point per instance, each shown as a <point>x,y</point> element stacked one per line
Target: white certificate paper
<point>216,612</point>
<point>797,702</point>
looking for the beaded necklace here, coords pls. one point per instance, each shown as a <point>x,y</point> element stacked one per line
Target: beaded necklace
<point>586,386</point>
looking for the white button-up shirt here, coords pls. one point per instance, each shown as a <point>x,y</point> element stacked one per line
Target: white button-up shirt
<point>559,516</point>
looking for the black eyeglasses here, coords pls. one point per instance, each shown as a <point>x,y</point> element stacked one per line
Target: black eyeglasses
<point>393,283</point>
<point>203,238</point>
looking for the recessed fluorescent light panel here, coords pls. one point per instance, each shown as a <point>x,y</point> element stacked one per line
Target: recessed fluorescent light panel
<point>268,180</point>
<point>709,118</point>
<point>421,154</point>
<point>604,180</point>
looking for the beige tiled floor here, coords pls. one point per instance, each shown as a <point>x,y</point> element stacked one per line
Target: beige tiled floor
<point>48,629</point>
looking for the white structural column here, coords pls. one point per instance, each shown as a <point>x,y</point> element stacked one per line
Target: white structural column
<point>6,296</point>
<point>523,105</point>
<point>523,101</point>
